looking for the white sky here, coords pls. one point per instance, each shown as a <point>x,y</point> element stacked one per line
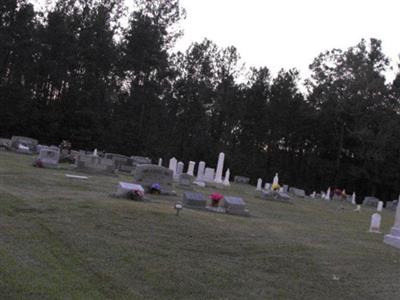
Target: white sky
<point>290,33</point>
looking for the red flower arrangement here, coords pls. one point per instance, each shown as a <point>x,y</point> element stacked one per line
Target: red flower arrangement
<point>215,198</point>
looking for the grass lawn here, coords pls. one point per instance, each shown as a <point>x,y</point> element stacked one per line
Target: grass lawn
<point>62,238</point>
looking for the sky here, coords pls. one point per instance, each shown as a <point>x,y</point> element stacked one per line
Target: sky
<point>290,33</point>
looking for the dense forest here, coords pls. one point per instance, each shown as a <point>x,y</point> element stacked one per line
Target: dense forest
<point>74,72</point>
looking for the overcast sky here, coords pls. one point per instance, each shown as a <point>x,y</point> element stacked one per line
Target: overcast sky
<point>291,33</point>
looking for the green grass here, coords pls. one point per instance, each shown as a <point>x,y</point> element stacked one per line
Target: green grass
<point>68,239</point>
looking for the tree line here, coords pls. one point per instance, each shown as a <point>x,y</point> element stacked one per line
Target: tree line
<point>74,72</point>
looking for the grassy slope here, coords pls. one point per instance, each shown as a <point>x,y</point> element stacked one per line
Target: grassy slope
<point>63,238</point>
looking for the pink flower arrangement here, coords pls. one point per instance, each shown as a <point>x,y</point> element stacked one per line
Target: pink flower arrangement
<point>215,198</point>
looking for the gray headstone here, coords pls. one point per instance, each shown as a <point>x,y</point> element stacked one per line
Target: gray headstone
<point>297,192</point>
<point>94,164</point>
<point>194,199</point>
<point>24,145</point>
<point>235,205</point>
<point>147,175</point>
<point>241,179</point>
<point>119,161</point>
<point>49,157</point>
<point>185,181</point>
<point>371,201</point>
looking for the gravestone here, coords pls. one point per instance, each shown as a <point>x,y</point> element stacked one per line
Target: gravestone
<point>392,205</point>
<point>226,178</point>
<point>49,158</point>
<point>119,160</point>
<point>172,165</point>
<point>179,168</point>
<point>371,201</point>
<point>283,196</point>
<point>24,145</point>
<point>185,181</point>
<point>220,168</point>
<point>5,144</point>
<point>241,179</point>
<point>297,192</point>
<point>375,223</point>
<point>273,196</point>
<point>393,238</point>
<point>209,175</point>
<point>259,184</point>
<point>147,175</point>
<point>235,206</point>
<point>190,170</point>
<point>124,188</point>
<point>380,206</point>
<point>200,171</point>
<point>94,164</point>
<point>265,194</point>
<point>267,186</point>
<point>140,160</point>
<point>285,188</point>
<point>194,200</point>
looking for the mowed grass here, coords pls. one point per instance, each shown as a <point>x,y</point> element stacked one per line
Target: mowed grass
<point>69,239</point>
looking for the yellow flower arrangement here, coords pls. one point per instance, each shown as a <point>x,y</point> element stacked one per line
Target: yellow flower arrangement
<point>275,187</point>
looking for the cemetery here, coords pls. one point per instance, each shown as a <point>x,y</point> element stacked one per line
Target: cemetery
<point>93,222</point>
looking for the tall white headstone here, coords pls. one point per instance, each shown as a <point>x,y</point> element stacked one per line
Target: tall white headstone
<point>393,238</point>
<point>328,194</point>
<point>353,198</point>
<point>220,168</point>
<point>95,152</point>
<point>226,179</point>
<point>380,206</point>
<point>200,171</point>
<point>375,223</point>
<point>313,195</point>
<point>160,162</point>
<point>172,165</point>
<point>259,184</point>
<point>276,179</point>
<point>191,168</point>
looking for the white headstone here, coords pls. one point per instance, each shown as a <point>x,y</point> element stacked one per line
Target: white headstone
<point>226,179</point>
<point>95,152</point>
<point>353,198</point>
<point>313,195</point>
<point>172,165</point>
<point>375,223</point>
<point>358,209</point>
<point>267,186</point>
<point>191,168</point>
<point>220,168</point>
<point>259,184</point>
<point>209,175</point>
<point>160,162</point>
<point>328,194</point>
<point>380,206</point>
<point>200,171</point>
<point>276,179</point>
<point>179,168</point>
